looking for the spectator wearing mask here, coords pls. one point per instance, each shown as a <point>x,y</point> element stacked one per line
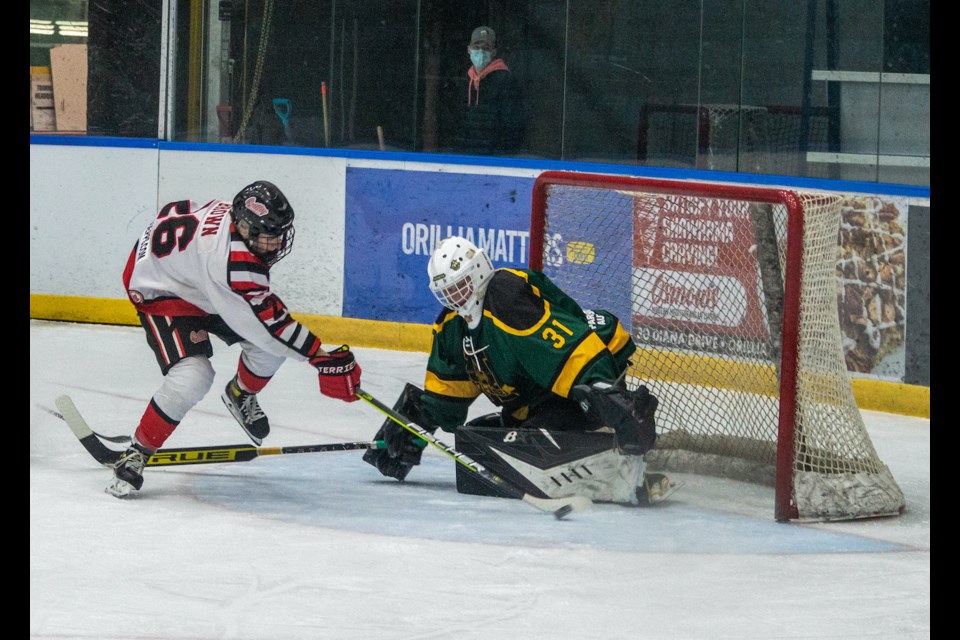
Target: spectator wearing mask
<point>492,119</point>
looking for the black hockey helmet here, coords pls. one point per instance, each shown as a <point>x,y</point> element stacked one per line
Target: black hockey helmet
<point>264,211</point>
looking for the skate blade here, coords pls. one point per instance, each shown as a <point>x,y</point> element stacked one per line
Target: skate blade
<point>119,488</point>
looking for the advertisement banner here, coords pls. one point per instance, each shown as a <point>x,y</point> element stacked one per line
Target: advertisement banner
<point>872,285</point>
<point>695,281</point>
<point>593,262</point>
<point>395,218</point>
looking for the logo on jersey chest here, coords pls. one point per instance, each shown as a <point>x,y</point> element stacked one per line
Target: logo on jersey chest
<point>481,373</point>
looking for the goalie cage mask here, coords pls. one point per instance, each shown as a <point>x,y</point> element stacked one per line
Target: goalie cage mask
<point>459,273</point>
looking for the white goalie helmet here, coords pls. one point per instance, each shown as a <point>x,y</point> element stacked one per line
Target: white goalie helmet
<point>459,274</point>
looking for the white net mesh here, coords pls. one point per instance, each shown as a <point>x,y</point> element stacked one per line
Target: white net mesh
<point>698,281</point>
<point>723,137</point>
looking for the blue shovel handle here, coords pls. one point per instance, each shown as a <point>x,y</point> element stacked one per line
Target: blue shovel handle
<point>282,108</point>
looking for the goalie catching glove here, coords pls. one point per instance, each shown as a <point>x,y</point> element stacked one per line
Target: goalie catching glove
<point>404,448</point>
<point>339,374</point>
<point>629,413</point>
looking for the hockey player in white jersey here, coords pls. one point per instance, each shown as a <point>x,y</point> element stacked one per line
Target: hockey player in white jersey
<point>201,269</point>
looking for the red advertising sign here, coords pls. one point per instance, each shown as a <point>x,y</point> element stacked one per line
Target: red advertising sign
<point>694,272</point>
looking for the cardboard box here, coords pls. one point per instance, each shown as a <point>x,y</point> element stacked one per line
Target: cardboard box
<point>68,63</point>
<point>42,113</point>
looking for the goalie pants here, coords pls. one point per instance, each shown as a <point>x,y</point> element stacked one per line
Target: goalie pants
<point>555,414</point>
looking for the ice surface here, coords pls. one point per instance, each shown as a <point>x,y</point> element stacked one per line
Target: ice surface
<point>311,546</point>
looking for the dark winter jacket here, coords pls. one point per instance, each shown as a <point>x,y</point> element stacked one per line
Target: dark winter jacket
<point>492,120</point>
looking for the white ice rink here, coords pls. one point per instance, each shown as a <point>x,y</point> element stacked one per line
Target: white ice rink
<point>317,546</point>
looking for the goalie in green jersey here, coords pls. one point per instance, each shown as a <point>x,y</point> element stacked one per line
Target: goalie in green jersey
<point>567,425</point>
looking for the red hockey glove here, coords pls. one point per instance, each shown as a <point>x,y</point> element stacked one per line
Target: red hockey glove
<point>339,374</point>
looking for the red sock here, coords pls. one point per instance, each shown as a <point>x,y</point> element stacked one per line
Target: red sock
<point>249,381</point>
<point>154,428</point>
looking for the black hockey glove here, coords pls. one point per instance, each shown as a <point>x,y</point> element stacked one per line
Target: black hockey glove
<point>629,413</point>
<point>404,448</point>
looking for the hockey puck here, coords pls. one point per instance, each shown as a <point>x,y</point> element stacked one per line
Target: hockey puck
<point>562,511</point>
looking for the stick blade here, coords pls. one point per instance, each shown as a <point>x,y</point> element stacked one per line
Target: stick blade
<point>101,453</point>
<point>560,507</point>
<point>72,417</point>
<point>562,511</point>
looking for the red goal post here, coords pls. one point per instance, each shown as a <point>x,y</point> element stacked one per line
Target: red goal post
<point>730,292</point>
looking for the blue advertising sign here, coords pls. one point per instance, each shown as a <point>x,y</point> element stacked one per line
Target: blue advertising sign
<point>395,218</point>
<point>592,264</point>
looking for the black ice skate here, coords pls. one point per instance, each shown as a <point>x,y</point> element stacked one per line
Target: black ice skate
<point>247,411</point>
<point>128,471</point>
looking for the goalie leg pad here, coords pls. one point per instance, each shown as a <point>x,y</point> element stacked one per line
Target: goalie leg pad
<point>551,464</point>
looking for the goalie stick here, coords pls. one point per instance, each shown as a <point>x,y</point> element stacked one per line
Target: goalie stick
<point>559,507</point>
<point>186,455</point>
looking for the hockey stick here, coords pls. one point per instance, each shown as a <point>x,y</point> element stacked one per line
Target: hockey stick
<point>69,414</point>
<point>559,507</point>
<point>187,455</point>
<point>57,414</point>
<point>245,452</point>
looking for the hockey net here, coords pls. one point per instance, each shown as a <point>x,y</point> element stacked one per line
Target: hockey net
<point>730,293</point>
<point>722,137</point>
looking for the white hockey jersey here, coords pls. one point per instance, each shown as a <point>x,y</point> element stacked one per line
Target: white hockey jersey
<point>191,261</point>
